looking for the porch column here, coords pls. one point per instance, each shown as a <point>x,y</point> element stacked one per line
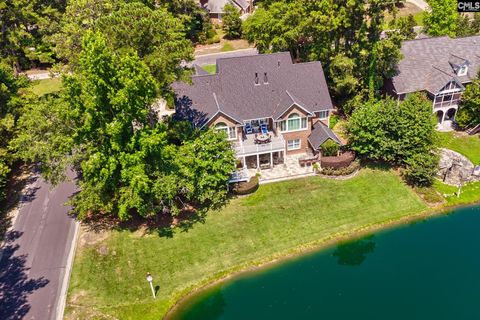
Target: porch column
<point>271,159</point>
<point>443,117</point>
<point>244,162</point>
<point>258,162</point>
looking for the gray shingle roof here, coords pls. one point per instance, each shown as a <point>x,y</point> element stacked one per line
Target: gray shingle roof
<point>216,6</point>
<point>320,134</point>
<point>232,90</point>
<point>199,71</point>
<point>428,63</point>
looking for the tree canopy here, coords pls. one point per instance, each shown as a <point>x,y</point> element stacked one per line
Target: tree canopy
<point>441,20</point>
<point>103,127</point>
<point>10,103</point>
<point>399,133</point>
<point>349,31</point>
<point>469,112</point>
<point>232,24</point>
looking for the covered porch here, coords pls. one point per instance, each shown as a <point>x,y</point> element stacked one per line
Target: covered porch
<point>259,153</point>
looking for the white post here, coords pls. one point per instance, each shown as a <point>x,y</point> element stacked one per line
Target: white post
<point>258,162</point>
<point>271,159</point>
<point>150,280</point>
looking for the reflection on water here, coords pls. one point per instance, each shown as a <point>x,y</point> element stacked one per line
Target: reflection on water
<point>354,253</point>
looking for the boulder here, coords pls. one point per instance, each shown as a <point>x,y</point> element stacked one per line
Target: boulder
<point>455,169</point>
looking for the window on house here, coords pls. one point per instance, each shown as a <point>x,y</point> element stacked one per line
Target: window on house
<point>293,123</point>
<point>323,114</point>
<point>462,71</point>
<point>293,144</point>
<point>230,132</point>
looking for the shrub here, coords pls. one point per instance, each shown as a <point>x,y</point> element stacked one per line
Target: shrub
<point>355,165</point>
<point>242,188</point>
<point>214,39</point>
<point>421,169</point>
<point>329,148</point>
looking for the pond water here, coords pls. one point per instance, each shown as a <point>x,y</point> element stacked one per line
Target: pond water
<point>426,270</point>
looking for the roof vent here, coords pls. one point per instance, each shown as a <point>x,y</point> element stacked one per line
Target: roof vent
<point>265,78</point>
<point>278,63</point>
<point>256,78</point>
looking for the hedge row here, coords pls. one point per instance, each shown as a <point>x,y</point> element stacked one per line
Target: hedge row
<point>342,161</point>
<point>355,165</point>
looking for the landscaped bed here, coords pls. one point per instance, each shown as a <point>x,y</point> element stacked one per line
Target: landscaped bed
<point>281,218</point>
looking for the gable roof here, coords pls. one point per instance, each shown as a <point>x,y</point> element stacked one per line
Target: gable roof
<point>216,6</point>
<point>430,63</point>
<point>320,134</point>
<point>233,89</point>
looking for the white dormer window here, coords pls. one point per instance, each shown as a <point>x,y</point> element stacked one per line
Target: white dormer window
<point>462,71</point>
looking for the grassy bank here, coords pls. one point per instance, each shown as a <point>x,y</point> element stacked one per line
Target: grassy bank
<point>210,68</point>
<point>45,86</point>
<point>109,275</point>
<point>467,145</point>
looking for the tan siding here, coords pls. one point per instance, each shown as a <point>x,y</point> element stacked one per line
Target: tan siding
<point>294,109</point>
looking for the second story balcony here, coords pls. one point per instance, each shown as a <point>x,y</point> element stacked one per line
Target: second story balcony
<point>253,144</point>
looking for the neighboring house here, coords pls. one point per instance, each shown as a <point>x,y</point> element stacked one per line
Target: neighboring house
<point>215,7</point>
<point>289,102</point>
<point>440,67</point>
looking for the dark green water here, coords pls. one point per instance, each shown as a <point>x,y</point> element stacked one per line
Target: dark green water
<point>427,270</point>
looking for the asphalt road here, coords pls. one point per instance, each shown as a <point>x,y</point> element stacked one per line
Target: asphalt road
<point>35,253</point>
<point>211,58</point>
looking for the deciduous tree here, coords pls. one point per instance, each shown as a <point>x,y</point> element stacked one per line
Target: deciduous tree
<point>442,19</point>
<point>469,112</point>
<point>232,24</point>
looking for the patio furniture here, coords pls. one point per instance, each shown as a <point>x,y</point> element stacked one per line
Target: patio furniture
<point>262,138</point>
<point>248,128</point>
<point>264,129</point>
<point>308,160</point>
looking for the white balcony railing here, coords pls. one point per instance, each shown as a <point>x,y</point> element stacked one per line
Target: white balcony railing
<point>248,147</point>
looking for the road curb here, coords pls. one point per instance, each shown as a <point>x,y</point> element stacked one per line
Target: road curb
<point>222,53</point>
<point>68,271</point>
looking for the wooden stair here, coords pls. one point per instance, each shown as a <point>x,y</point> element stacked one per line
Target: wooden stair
<point>471,130</point>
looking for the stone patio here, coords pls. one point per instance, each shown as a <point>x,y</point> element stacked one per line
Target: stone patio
<point>289,170</point>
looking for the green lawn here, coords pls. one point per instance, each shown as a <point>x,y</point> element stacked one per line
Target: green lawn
<point>210,68</point>
<point>469,146</point>
<point>42,87</point>
<point>279,218</point>
<point>470,193</point>
<point>227,47</point>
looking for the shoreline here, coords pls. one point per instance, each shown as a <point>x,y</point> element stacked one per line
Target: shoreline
<point>308,248</point>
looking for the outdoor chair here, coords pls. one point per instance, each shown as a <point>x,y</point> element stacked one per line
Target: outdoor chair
<point>264,129</point>
<point>248,128</point>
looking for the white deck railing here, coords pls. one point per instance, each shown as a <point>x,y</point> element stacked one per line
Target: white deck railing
<point>277,144</point>
<point>240,175</point>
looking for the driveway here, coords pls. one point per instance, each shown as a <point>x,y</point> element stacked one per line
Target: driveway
<point>37,253</point>
<point>421,4</point>
<point>211,58</point>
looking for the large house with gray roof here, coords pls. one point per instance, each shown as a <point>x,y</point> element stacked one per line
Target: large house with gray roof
<point>268,106</point>
<point>215,8</point>
<point>441,67</point>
